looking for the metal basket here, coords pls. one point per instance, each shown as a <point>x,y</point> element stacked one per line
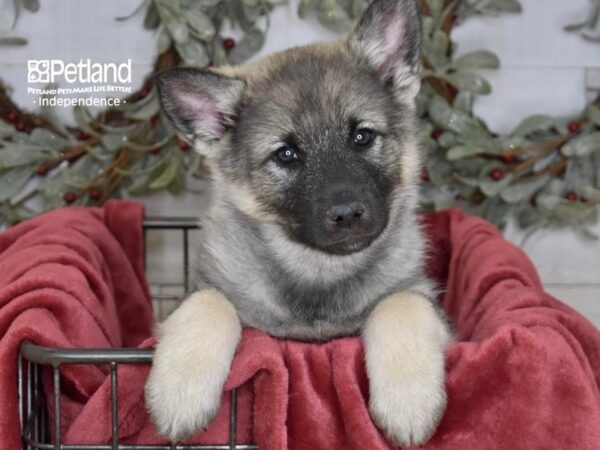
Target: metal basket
<point>32,358</point>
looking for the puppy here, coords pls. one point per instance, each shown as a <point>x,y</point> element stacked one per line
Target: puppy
<point>312,232</point>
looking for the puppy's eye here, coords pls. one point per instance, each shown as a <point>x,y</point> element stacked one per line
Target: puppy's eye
<point>363,137</point>
<point>286,155</point>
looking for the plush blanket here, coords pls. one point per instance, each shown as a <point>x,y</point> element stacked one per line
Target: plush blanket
<point>70,278</point>
<point>523,374</point>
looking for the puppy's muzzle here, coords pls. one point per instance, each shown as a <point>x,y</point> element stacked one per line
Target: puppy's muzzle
<point>349,223</point>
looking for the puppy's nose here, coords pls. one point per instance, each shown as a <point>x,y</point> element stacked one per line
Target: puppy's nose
<point>346,215</point>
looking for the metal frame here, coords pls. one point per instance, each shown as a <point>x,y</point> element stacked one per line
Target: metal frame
<point>33,358</point>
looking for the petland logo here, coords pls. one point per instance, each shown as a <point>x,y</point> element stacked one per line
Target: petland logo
<point>86,81</point>
<point>85,71</point>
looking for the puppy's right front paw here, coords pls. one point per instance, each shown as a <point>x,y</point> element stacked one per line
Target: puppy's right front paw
<point>182,394</point>
<point>191,364</point>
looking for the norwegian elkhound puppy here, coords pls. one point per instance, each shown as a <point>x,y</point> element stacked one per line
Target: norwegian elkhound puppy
<point>312,233</point>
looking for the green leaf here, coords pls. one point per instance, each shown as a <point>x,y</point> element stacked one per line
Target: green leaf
<point>333,16</point>
<point>457,121</point>
<point>31,5</point>
<point>448,140</point>
<point>550,202</point>
<point>540,122</point>
<point>591,193</point>
<point>303,7</point>
<point>13,180</point>
<point>17,154</point>
<point>470,82</point>
<point>495,7</point>
<point>583,145</point>
<point>78,174</point>
<point>166,176</point>
<point>544,162</point>
<point>193,52</point>
<point>358,7</point>
<point>13,41</point>
<point>46,138</point>
<point>151,19</point>
<point>518,192</point>
<point>16,12</point>
<point>593,113</point>
<point>176,185</point>
<point>579,172</point>
<point>575,26</point>
<point>201,25</point>
<point>145,108</point>
<point>469,181</point>
<point>171,17</point>
<point>436,7</point>
<point>464,101</point>
<point>194,163</point>
<point>205,5</point>
<point>481,59</point>
<point>113,141</point>
<point>463,151</point>
<point>6,129</point>
<point>530,217</point>
<point>596,164</point>
<point>163,42</point>
<point>436,48</point>
<point>589,36</point>
<point>496,211</point>
<point>252,12</point>
<point>440,170</point>
<point>251,43</point>
<point>428,25</point>
<point>472,165</point>
<point>83,118</point>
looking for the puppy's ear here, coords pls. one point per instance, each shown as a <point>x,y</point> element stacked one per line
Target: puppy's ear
<point>388,36</point>
<point>200,104</point>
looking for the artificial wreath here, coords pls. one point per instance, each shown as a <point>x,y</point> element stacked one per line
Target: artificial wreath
<point>545,172</point>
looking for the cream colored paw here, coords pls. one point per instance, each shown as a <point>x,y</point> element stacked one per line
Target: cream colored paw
<point>405,339</point>
<point>191,363</point>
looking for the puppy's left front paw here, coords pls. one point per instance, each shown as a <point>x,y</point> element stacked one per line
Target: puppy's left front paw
<point>407,407</point>
<point>405,340</point>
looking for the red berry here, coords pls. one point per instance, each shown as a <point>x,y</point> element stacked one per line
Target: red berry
<point>155,150</point>
<point>571,196</point>
<point>184,146</point>
<point>20,125</point>
<point>574,127</point>
<point>435,134</point>
<point>144,92</point>
<point>425,176</point>
<point>69,197</point>
<point>11,116</point>
<point>508,158</point>
<point>497,174</point>
<point>82,136</point>
<point>96,193</point>
<point>228,43</point>
<point>41,171</point>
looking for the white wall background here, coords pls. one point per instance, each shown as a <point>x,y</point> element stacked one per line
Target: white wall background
<point>544,70</point>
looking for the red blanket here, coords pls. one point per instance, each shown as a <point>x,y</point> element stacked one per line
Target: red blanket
<point>524,373</point>
<point>70,278</point>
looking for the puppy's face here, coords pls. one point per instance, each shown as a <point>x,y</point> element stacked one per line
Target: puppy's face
<point>318,139</point>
